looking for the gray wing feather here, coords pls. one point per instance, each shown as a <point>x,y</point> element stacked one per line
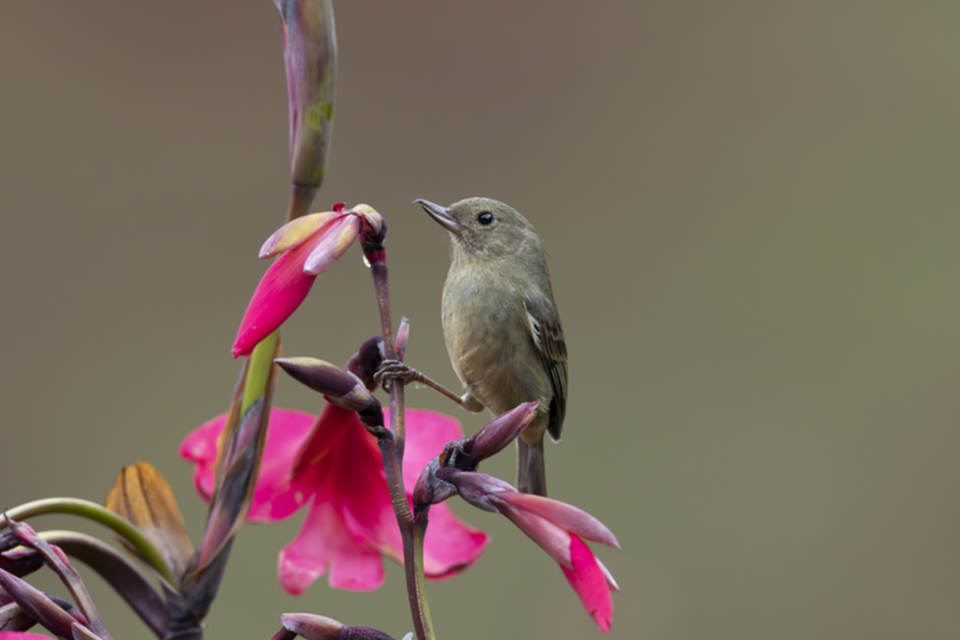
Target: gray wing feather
<point>548,336</point>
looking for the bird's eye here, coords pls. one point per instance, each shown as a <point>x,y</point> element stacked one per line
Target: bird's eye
<point>485,218</point>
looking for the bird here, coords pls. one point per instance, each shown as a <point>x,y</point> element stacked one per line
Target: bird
<point>501,324</point>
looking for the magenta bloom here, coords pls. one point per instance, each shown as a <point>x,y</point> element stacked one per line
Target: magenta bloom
<point>309,245</point>
<point>558,528</point>
<point>333,463</point>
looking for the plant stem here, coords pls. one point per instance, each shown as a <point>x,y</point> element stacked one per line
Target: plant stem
<point>98,513</point>
<point>412,558</point>
<point>259,371</point>
<point>391,449</point>
<point>419,532</point>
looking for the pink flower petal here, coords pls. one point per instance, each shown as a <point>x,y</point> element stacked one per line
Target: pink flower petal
<point>566,516</point>
<point>331,243</point>
<point>342,463</point>
<point>297,232</point>
<point>323,542</point>
<point>325,443</point>
<point>451,545</point>
<point>427,433</point>
<point>589,581</point>
<point>274,498</point>
<point>356,479</point>
<point>552,538</point>
<point>337,464</point>
<point>281,290</point>
<point>200,447</point>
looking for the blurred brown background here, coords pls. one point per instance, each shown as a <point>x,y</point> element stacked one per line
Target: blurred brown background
<point>751,209</point>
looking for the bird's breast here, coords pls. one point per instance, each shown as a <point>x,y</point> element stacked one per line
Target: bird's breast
<point>486,332</point>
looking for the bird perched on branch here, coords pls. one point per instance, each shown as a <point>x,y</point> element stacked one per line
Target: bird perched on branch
<point>501,324</point>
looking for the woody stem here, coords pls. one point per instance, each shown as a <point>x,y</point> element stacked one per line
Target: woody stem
<point>391,448</point>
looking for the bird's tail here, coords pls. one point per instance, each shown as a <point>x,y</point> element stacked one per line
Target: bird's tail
<point>531,473</point>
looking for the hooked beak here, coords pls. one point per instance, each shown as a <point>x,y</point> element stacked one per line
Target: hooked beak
<point>440,214</point>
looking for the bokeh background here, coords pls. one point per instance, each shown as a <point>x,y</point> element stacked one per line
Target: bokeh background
<point>751,209</point>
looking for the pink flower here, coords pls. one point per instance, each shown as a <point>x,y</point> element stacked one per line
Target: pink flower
<point>309,245</point>
<point>558,528</point>
<point>335,464</point>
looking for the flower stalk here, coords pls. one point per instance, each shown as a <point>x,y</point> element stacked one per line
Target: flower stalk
<point>391,449</point>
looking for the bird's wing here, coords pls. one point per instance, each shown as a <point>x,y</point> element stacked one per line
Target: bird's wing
<point>544,324</point>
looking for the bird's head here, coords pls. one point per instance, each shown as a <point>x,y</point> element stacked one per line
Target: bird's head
<point>483,228</point>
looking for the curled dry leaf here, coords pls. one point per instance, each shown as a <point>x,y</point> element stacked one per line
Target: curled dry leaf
<point>144,497</point>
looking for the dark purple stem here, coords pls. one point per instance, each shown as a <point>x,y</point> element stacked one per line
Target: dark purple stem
<point>398,496</point>
<point>391,449</point>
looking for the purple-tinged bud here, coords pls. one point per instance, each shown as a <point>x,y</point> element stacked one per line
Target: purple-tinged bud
<point>363,633</point>
<point>8,540</point>
<point>496,435</point>
<point>311,626</point>
<point>403,334</point>
<point>365,362</point>
<point>339,387</point>
<point>479,488</point>
<point>326,378</point>
<point>433,486</point>
<point>21,562</point>
<point>466,454</point>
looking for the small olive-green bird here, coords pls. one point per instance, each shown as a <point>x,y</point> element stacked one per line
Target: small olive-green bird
<point>501,324</point>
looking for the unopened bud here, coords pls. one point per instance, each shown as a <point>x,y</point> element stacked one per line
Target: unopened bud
<point>363,633</point>
<point>365,362</point>
<point>496,435</point>
<point>477,488</point>
<point>432,487</point>
<point>372,222</point>
<point>328,379</point>
<point>311,626</point>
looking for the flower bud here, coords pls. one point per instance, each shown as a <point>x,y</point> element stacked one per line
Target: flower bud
<point>311,626</point>
<point>372,222</point>
<point>496,435</point>
<point>366,361</point>
<point>310,53</point>
<point>432,487</point>
<point>320,376</point>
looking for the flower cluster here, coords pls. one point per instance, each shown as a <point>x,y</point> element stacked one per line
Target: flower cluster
<point>558,528</point>
<point>332,463</point>
<point>309,246</point>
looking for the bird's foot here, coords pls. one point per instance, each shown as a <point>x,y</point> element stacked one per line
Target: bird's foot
<point>391,370</point>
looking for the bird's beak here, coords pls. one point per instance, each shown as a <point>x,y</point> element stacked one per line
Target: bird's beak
<point>440,214</point>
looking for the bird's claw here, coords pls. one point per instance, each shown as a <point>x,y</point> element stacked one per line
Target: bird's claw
<point>391,370</point>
